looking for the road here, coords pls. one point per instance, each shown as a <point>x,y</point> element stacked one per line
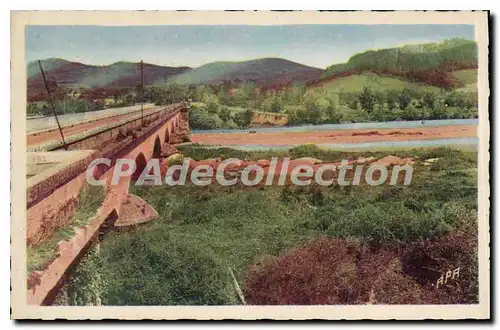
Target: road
<point>45,123</point>
<point>74,124</point>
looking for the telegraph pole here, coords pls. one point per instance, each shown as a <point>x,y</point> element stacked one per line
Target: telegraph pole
<point>52,104</point>
<point>142,93</point>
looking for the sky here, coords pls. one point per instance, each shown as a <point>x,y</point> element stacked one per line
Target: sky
<point>195,45</point>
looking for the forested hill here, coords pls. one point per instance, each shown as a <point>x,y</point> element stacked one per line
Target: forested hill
<point>263,71</point>
<point>429,63</point>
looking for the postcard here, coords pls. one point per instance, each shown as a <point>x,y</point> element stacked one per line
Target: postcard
<point>250,165</point>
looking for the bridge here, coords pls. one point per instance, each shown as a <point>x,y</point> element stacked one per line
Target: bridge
<point>56,174</point>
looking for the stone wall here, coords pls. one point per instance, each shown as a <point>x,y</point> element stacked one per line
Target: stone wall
<point>56,209</point>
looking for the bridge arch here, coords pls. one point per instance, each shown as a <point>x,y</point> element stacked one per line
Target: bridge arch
<point>108,223</point>
<point>140,164</point>
<point>157,148</point>
<point>167,135</point>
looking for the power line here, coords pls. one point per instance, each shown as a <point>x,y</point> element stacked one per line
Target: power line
<point>52,104</point>
<point>142,93</point>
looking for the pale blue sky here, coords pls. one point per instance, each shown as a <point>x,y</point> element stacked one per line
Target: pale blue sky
<point>181,45</point>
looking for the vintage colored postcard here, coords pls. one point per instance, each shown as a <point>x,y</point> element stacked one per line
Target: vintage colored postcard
<point>250,165</point>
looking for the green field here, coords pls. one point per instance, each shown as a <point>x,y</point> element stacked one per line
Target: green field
<point>356,83</point>
<point>468,78</point>
<point>184,257</point>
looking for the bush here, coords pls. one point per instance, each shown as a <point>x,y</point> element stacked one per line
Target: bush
<point>159,269</point>
<point>182,257</point>
<point>202,119</point>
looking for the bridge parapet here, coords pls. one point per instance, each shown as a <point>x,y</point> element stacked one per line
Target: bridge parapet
<point>50,194</point>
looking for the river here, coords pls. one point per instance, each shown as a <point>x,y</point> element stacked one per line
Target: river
<point>426,133</point>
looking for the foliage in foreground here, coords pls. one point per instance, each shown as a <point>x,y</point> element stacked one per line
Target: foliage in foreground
<point>183,257</point>
<point>90,199</point>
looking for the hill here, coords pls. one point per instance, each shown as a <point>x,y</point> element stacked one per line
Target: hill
<point>115,76</point>
<point>355,83</point>
<point>468,79</point>
<point>48,65</point>
<point>265,71</point>
<point>431,63</point>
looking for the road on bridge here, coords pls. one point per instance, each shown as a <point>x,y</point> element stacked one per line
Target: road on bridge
<point>41,130</point>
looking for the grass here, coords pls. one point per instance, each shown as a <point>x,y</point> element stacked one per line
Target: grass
<point>468,78</point>
<point>90,200</point>
<point>183,257</point>
<point>356,83</point>
<point>199,152</point>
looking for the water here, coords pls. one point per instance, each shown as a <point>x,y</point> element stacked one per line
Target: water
<point>372,125</point>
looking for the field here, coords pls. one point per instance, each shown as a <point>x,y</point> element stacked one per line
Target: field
<point>356,83</point>
<point>348,245</point>
<point>467,78</point>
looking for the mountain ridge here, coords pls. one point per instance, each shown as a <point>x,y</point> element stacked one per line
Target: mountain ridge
<point>266,71</point>
<point>123,75</point>
<point>427,63</point>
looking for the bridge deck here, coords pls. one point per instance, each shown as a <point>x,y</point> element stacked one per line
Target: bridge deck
<point>75,125</point>
<point>43,123</point>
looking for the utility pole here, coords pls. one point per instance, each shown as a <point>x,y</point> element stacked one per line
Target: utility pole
<point>52,104</point>
<point>142,93</point>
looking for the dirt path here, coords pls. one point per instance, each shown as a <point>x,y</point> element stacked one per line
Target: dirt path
<point>336,136</point>
<point>38,138</point>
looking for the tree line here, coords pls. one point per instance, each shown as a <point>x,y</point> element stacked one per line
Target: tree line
<point>231,106</point>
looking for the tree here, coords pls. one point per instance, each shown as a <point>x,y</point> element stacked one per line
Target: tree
<point>391,98</point>
<point>367,99</point>
<point>380,99</point>
<point>201,119</point>
<point>333,115</point>
<point>244,118</point>
<point>429,100</point>
<point>351,99</point>
<point>276,105</point>
<point>410,112</point>
<point>224,113</point>
<point>175,93</point>
<point>212,107</point>
<point>404,98</point>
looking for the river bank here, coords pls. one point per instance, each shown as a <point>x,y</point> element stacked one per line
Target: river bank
<point>288,137</point>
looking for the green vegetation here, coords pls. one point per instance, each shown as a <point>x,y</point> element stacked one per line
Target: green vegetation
<point>356,83</point>
<point>183,257</point>
<point>468,78</point>
<point>258,70</point>
<point>410,57</point>
<point>90,199</point>
<point>360,98</point>
<point>414,82</point>
<point>65,106</point>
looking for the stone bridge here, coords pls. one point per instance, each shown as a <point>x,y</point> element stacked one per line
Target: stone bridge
<point>56,176</point>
